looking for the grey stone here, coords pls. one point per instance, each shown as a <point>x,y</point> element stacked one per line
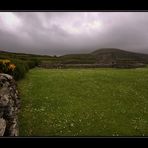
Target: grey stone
<point>9,106</point>
<point>2,126</point>
<point>6,76</point>
<point>4,99</point>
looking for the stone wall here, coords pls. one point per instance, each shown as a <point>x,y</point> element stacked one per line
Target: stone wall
<point>9,106</point>
<point>106,64</point>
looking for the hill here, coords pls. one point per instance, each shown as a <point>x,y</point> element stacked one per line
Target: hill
<point>117,55</point>
<point>108,56</point>
<point>21,56</point>
<point>104,57</point>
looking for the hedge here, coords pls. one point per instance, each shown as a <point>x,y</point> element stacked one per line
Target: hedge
<point>16,67</point>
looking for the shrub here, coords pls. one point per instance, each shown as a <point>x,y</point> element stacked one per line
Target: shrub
<point>32,63</point>
<point>6,66</point>
<point>17,67</point>
<point>20,70</point>
<point>22,67</point>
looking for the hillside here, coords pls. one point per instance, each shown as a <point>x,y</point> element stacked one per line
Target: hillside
<point>21,56</point>
<point>110,55</point>
<point>117,54</point>
<point>26,57</point>
<point>107,56</point>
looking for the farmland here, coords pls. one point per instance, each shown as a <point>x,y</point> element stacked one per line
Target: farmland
<point>84,102</point>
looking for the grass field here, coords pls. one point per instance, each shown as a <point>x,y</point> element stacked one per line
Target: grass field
<point>84,102</point>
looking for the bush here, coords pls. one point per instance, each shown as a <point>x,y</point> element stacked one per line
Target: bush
<point>20,70</point>
<point>17,67</point>
<point>22,67</point>
<point>6,66</point>
<point>32,63</point>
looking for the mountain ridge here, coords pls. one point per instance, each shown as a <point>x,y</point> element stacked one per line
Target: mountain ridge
<point>103,50</point>
<point>107,56</point>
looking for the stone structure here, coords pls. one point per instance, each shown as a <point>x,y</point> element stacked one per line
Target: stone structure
<point>9,106</point>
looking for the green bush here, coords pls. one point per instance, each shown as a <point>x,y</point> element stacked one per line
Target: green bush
<point>20,70</point>
<point>17,67</point>
<point>6,66</point>
<point>32,63</point>
<point>22,67</point>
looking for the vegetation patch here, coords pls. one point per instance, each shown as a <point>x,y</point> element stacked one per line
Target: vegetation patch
<point>16,64</point>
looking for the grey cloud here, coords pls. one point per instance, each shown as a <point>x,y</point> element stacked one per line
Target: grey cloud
<point>75,32</point>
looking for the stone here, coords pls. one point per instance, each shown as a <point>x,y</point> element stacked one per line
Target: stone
<point>9,106</point>
<point>2,126</point>
<point>6,76</point>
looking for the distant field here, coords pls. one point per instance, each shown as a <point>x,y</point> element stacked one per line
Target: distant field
<point>84,102</point>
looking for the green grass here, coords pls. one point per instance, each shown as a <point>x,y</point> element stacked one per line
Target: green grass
<point>84,102</point>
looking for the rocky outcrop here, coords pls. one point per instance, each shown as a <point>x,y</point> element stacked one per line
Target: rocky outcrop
<point>9,106</point>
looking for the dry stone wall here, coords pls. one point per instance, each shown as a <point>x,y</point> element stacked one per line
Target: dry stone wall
<point>9,106</point>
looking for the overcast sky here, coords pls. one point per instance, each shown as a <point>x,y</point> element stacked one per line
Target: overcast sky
<point>57,33</point>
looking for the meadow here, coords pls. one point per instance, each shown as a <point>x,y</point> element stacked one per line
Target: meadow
<point>84,102</point>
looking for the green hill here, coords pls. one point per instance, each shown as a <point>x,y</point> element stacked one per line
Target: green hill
<point>106,56</point>
<point>111,57</point>
<point>118,56</point>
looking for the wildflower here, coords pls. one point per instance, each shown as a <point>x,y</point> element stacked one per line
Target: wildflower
<point>11,66</point>
<point>71,124</point>
<point>4,61</point>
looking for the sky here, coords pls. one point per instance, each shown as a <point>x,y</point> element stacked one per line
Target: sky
<point>59,33</point>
